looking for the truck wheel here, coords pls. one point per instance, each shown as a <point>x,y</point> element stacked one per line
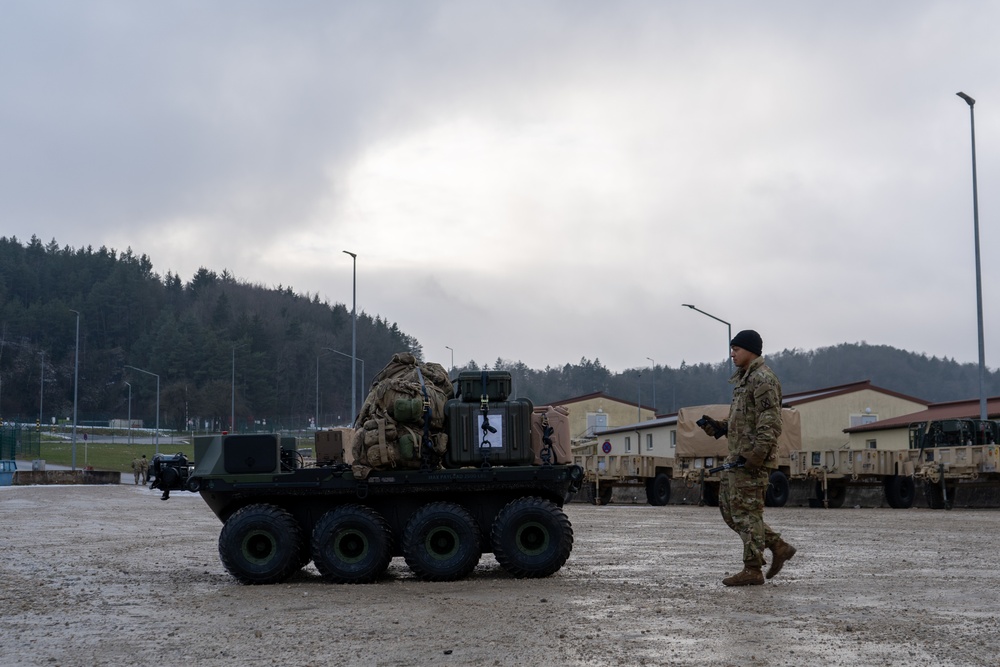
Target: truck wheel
<point>441,542</point>
<point>935,497</point>
<point>899,491</point>
<point>658,490</point>
<point>260,544</point>
<point>710,494</point>
<point>604,497</point>
<point>351,544</point>
<point>532,537</point>
<point>777,490</point>
<point>836,494</point>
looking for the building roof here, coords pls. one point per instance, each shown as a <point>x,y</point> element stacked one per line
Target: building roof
<point>597,394</point>
<point>791,400</point>
<point>967,409</point>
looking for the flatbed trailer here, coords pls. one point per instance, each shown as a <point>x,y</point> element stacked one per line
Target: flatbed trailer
<point>954,454</point>
<point>604,472</point>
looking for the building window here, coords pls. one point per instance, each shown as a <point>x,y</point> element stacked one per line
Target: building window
<point>861,420</point>
<point>628,443</point>
<point>673,440</point>
<point>870,444</point>
<point>649,442</point>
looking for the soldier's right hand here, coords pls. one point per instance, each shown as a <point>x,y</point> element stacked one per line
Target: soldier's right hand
<point>707,424</point>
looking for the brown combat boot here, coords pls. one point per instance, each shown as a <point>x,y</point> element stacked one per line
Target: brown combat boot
<point>750,576</point>
<point>782,551</point>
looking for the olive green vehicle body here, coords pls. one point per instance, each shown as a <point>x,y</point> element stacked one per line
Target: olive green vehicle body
<point>440,520</point>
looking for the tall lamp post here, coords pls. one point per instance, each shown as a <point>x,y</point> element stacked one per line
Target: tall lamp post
<point>232,413</point>
<point>448,347</point>
<point>76,380</point>
<point>979,281</point>
<point>156,438</point>
<point>129,385</point>
<point>729,335</point>
<point>654,385</point>
<point>41,391</point>
<point>354,333</point>
<point>330,349</point>
<point>638,400</point>
<point>316,424</point>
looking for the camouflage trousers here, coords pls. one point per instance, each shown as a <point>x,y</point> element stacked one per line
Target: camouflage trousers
<point>741,501</point>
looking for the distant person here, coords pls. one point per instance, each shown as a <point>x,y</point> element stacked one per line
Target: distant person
<point>144,464</point>
<point>753,427</point>
<point>137,470</point>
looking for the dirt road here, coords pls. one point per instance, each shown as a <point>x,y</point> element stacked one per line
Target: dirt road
<point>110,575</point>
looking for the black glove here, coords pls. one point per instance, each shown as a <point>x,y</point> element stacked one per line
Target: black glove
<point>712,427</point>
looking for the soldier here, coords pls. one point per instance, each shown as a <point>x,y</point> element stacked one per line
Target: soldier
<point>753,427</point>
<point>137,470</point>
<point>144,464</point>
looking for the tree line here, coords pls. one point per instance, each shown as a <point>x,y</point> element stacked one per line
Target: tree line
<point>229,354</point>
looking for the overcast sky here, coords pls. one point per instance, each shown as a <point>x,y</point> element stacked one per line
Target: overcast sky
<point>537,181</point>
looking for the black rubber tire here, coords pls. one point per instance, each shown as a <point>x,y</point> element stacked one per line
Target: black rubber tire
<point>532,537</point>
<point>899,491</point>
<point>658,490</point>
<point>777,490</point>
<point>604,498</point>
<point>351,544</point>
<point>836,494</point>
<point>710,494</point>
<point>441,542</point>
<point>260,544</point>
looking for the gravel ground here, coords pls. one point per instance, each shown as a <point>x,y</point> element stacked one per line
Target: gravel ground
<point>110,575</point>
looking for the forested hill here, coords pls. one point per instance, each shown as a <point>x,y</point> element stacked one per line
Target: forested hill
<point>287,354</point>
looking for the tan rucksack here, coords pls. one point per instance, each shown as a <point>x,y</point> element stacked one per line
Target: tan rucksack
<point>400,422</point>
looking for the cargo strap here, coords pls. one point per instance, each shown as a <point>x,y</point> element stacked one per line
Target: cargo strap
<point>427,461</point>
<point>484,408</point>
<point>546,453</point>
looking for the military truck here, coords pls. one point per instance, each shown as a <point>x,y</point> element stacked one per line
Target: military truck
<point>832,471</point>
<point>698,453</point>
<point>695,453</point>
<point>278,514</point>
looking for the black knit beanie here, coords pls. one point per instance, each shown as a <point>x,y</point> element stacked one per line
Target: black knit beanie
<point>749,340</point>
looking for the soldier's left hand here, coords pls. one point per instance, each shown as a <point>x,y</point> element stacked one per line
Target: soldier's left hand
<point>754,460</point>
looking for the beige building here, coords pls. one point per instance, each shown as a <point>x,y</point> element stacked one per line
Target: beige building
<point>593,412</point>
<point>827,413</point>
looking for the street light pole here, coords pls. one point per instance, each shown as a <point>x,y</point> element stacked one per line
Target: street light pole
<point>638,401</point>
<point>232,413</point>
<point>729,335</point>
<point>452,369</point>
<point>129,412</point>
<point>76,380</point>
<point>654,385</point>
<point>330,349</point>
<point>354,333</point>
<point>156,437</point>
<point>41,392</point>
<point>979,281</point>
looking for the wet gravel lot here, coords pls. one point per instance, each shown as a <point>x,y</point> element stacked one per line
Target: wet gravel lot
<point>110,575</point>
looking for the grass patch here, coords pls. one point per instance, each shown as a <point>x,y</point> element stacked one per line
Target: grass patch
<point>106,455</point>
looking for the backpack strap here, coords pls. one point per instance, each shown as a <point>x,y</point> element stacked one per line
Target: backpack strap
<point>427,459</point>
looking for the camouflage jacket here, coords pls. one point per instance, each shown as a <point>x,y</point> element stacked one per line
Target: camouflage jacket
<point>755,414</point>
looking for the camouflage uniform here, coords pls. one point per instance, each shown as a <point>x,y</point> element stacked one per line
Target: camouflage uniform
<point>144,469</point>
<point>136,469</point>
<point>754,425</point>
